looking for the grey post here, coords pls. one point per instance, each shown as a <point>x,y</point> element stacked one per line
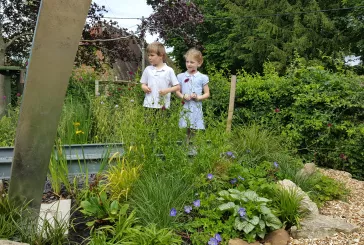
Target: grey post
<point>55,43</point>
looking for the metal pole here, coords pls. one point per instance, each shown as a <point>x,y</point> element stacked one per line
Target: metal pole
<point>143,47</point>
<point>55,43</point>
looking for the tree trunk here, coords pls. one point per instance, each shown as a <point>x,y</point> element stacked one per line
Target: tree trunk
<point>2,80</point>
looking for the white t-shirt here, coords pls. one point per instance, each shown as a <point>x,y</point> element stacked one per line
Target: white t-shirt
<point>158,79</point>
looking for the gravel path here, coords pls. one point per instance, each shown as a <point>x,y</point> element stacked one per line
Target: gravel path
<point>352,211</point>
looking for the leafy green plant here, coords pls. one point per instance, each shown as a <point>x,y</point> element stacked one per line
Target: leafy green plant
<point>252,215</point>
<point>121,176</point>
<point>287,204</point>
<point>101,208</point>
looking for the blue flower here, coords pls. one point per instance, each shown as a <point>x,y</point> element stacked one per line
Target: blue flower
<point>241,178</point>
<point>230,154</point>
<point>173,212</point>
<point>248,151</point>
<point>188,209</point>
<point>218,237</point>
<point>275,164</point>
<point>233,181</point>
<point>197,203</point>
<point>242,212</point>
<point>210,176</point>
<point>213,241</point>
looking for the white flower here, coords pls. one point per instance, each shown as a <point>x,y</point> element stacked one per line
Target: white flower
<point>132,101</point>
<point>116,106</point>
<point>101,102</point>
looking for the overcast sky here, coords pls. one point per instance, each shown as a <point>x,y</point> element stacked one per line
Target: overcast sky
<point>128,9</point>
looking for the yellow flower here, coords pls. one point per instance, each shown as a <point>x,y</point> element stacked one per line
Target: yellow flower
<point>79,132</point>
<point>76,124</point>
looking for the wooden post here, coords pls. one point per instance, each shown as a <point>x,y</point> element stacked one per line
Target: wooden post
<point>231,103</point>
<point>97,87</point>
<point>55,43</point>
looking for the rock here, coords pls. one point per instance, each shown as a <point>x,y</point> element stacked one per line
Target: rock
<point>238,241</point>
<point>277,237</point>
<point>307,206</point>
<point>321,226</point>
<point>5,242</point>
<point>308,169</point>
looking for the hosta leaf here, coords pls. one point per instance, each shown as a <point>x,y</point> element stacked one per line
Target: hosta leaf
<point>272,221</point>
<point>251,195</point>
<point>226,206</point>
<point>265,210</point>
<point>239,225</point>
<point>261,224</point>
<point>255,220</point>
<point>248,228</point>
<point>224,193</point>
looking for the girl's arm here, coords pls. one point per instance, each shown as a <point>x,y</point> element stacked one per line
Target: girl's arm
<point>206,93</point>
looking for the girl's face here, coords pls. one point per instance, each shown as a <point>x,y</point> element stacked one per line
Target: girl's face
<point>192,64</point>
<point>154,59</point>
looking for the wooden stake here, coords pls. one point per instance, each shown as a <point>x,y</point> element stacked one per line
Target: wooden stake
<point>231,103</point>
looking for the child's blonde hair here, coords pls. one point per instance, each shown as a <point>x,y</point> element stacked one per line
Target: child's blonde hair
<point>157,48</point>
<point>195,54</point>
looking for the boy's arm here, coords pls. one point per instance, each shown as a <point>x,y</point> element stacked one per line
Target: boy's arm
<point>206,93</point>
<point>144,82</point>
<point>170,90</point>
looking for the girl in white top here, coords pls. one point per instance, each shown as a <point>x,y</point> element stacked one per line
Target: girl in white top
<point>158,79</point>
<point>193,89</point>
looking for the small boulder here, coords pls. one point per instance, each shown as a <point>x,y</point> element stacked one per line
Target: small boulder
<point>308,169</point>
<point>277,237</point>
<point>5,242</point>
<point>321,226</point>
<point>238,241</point>
<point>307,206</point>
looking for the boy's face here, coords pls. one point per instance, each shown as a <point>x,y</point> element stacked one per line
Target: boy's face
<point>192,64</point>
<point>155,59</point>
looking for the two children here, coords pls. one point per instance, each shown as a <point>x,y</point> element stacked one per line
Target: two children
<point>159,80</point>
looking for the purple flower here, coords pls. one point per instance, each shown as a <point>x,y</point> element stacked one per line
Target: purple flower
<point>213,241</point>
<point>275,164</point>
<point>233,181</point>
<point>241,178</point>
<point>242,212</point>
<point>230,154</point>
<point>210,176</point>
<point>173,212</point>
<point>4,97</point>
<point>218,237</point>
<point>197,203</point>
<point>188,209</point>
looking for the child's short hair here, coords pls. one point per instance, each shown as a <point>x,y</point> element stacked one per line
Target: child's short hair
<point>195,54</point>
<point>157,48</point>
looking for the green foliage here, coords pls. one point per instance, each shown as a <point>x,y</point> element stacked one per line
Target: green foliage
<point>287,204</point>
<point>121,176</point>
<point>8,125</point>
<point>318,112</point>
<point>126,230</point>
<point>101,208</point>
<point>156,193</point>
<point>321,188</point>
<point>252,216</point>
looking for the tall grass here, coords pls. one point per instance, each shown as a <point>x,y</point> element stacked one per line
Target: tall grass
<point>156,193</point>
